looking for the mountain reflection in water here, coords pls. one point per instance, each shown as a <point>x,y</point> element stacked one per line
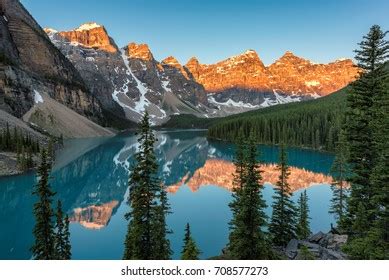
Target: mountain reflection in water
<point>90,177</point>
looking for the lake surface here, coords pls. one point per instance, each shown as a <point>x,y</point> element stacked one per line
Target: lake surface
<point>90,177</point>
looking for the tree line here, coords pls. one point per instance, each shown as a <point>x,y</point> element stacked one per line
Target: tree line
<point>313,124</point>
<point>14,140</point>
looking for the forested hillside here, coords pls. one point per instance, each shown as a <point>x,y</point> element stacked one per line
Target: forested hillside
<point>313,124</point>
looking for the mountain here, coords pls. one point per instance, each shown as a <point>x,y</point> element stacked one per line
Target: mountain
<point>30,63</point>
<point>129,80</point>
<point>84,70</point>
<point>244,82</point>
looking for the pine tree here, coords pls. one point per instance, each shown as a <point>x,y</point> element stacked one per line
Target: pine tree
<point>59,231</point>
<point>67,252</point>
<point>282,226</point>
<point>62,235</point>
<point>247,239</point>
<point>303,229</point>
<point>147,225</point>
<point>51,151</point>
<point>340,171</point>
<point>161,243</point>
<point>368,128</point>
<point>43,247</point>
<point>371,56</point>
<point>186,236</point>
<point>190,251</point>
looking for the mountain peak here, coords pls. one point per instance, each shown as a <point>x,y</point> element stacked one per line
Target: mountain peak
<point>90,35</point>
<point>289,53</point>
<point>250,52</point>
<point>139,51</point>
<point>247,54</point>
<point>290,58</point>
<point>49,30</point>
<point>193,61</point>
<point>171,60</point>
<point>88,26</point>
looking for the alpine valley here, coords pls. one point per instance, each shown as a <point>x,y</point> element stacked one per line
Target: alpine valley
<point>78,83</point>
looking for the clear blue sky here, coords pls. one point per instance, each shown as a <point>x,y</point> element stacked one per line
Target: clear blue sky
<point>321,30</point>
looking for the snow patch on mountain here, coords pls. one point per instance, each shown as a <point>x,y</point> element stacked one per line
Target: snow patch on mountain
<point>312,83</point>
<point>88,26</point>
<point>231,103</point>
<point>282,99</point>
<point>38,97</point>
<point>143,101</point>
<point>165,86</point>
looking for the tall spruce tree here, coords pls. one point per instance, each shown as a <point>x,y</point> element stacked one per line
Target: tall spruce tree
<point>161,243</point>
<point>59,232</point>
<point>283,225</point>
<point>303,229</point>
<point>340,171</point>
<point>44,244</point>
<point>247,239</point>
<point>371,56</point>
<point>62,235</point>
<point>147,229</point>
<point>367,132</point>
<point>190,251</point>
<point>67,252</point>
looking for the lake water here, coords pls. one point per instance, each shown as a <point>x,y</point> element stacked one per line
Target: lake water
<point>90,177</point>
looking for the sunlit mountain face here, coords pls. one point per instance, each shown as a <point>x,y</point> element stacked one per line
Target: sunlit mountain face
<point>218,172</point>
<point>90,177</point>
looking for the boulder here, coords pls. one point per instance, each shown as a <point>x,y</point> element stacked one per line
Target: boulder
<point>336,241</point>
<point>309,245</point>
<point>315,238</point>
<point>292,248</point>
<point>328,254</point>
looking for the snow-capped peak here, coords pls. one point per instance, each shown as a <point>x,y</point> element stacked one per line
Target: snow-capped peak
<point>88,26</point>
<point>250,52</point>
<point>171,60</point>
<point>342,59</point>
<point>50,30</point>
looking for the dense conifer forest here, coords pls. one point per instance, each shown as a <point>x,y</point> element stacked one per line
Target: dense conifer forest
<point>314,124</point>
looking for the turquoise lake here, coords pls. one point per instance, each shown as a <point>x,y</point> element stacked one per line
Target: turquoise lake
<point>90,177</point>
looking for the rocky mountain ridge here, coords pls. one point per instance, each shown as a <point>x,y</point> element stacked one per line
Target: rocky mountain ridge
<point>84,70</point>
<point>131,80</point>
<point>29,62</point>
<point>244,81</point>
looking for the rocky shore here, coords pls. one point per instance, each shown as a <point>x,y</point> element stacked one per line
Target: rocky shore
<point>8,164</point>
<point>320,246</point>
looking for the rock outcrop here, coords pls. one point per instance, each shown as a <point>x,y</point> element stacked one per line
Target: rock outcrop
<point>86,71</point>
<point>29,61</point>
<point>129,80</point>
<point>90,35</point>
<point>318,246</point>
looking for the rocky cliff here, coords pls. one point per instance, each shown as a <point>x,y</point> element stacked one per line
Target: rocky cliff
<point>129,80</point>
<point>244,81</point>
<point>29,62</point>
<point>86,71</point>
